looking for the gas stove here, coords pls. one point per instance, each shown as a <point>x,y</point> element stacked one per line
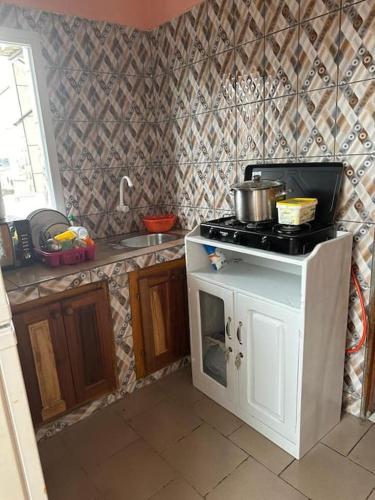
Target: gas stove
<point>273,237</point>
<point>311,180</point>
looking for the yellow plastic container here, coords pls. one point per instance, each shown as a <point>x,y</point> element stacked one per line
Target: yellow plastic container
<point>296,211</point>
<point>66,236</point>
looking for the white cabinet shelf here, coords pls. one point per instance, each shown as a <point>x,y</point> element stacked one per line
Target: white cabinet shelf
<point>270,284</point>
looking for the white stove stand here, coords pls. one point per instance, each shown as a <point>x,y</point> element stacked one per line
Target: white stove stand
<point>268,336</point>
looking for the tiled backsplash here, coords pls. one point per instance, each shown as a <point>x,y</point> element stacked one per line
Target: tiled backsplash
<point>184,108</point>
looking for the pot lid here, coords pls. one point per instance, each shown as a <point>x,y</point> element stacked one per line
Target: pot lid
<point>256,183</point>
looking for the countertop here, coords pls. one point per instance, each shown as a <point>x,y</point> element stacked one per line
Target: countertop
<point>105,254</point>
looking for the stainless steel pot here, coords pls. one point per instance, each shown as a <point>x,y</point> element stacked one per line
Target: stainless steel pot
<point>255,200</point>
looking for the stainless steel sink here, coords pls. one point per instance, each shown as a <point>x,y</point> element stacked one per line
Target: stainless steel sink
<point>148,240</point>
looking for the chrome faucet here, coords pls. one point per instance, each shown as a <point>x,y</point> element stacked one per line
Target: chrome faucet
<point>121,207</point>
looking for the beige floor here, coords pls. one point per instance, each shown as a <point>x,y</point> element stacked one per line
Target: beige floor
<point>170,442</point>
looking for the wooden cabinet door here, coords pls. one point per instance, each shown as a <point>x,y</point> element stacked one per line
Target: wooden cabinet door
<point>158,336</point>
<point>45,362</point>
<point>267,343</point>
<point>88,328</point>
<point>160,318</point>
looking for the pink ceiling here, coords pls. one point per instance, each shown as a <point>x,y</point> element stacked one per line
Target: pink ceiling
<point>142,14</point>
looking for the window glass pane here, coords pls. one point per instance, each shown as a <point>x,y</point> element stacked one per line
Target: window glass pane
<point>24,174</point>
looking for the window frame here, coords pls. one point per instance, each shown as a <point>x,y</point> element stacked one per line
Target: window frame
<point>38,75</point>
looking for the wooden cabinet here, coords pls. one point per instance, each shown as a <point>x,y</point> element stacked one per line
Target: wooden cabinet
<point>159,303</point>
<point>66,349</point>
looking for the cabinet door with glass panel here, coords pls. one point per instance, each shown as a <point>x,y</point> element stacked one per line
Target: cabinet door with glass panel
<point>211,329</point>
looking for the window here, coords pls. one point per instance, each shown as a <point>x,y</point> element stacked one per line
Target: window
<point>26,154</point>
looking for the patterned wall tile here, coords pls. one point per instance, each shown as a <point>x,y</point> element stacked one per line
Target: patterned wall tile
<point>281,63</point>
<point>203,185</point>
<point>165,42</point>
<point>357,44</point>
<point>318,52</point>
<point>108,97</point>
<point>356,202</point>
<point>66,283</point>
<point>181,137</point>
<point>166,142</point>
<point>132,47</point>
<point>250,131</point>
<point>82,137</point>
<point>119,223</point>
<point>70,33</point>
<point>110,144</point>
<point>80,95</point>
<point>280,14</point>
<point>133,90</point>
<point>280,127</point>
<point>21,295</point>
<point>225,176</point>
<point>91,191</point>
<point>248,20</point>
<point>181,41</point>
<point>63,144</point>
<point>140,262</point>
<point>115,271</point>
<point>70,193</point>
<point>121,314</point>
<point>182,92</point>
<point>355,118</point>
<point>56,93</point>
<point>146,186</point>
<point>201,84</point>
<point>97,225</point>
<point>163,93</point>
<point>169,185</point>
<point>112,179</point>
<point>224,134</point>
<point>136,153</point>
<point>185,184</point>
<point>250,72</point>
<point>197,22</point>
<point>103,46</point>
<point>220,22</point>
<point>315,8</point>
<point>201,138</point>
<point>186,217</point>
<point>223,80</point>
<point>316,122</point>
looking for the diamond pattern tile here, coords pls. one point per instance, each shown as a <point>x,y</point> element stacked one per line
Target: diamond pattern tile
<point>132,46</point>
<point>358,190</point>
<point>82,137</point>
<point>112,178</point>
<point>56,93</point>
<point>103,46</point>
<point>250,131</point>
<point>355,118</point>
<point>185,184</point>
<point>108,97</point>
<point>92,192</point>
<point>281,63</point>
<point>136,148</point>
<point>248,20</point>
<point>220,22</point>
<point>316,123</point>
<point>280,14</point>
<point>110,144</point>
<point>70,33</point>
<point>357,44</point>
<point>198,22</point>
<point>250,72</point>
<point>225,175</point>
<point>224,138</point>
<point>201,138</point>
<point>318,52</point>
<point>79,94</point>
<point>204,185</point>
<point>223,80</point>
<point>201,84</point>
<point>280,128</point>
<point>146,186</point>
<point>315,8</point>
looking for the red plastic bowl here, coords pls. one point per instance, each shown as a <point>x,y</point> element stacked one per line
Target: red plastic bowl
<point>159,223</point>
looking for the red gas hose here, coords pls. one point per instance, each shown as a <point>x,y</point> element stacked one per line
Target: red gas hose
<point>362,340</point>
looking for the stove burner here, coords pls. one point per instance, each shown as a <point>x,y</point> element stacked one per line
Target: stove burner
<point>264,224</point>
<point>291,229</point>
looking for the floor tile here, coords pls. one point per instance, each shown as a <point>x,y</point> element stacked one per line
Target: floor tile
<point>204,458</point>
<point>372,496</point>
<point>179,386</point>
<point>263,450</point>
<point>135,473</point>
<point>69,481</point>
<point>139,401</point>
<point>323,474</point>
<point>217,416</point>
<point>98,437</point>
<point>253,481</point>
<point>346,434</point>
<point>168,422</point>
<point>177,490</point>
<point>364,453</point>
<point>52,451</point>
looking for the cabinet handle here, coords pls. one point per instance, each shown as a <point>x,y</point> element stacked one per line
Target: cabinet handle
<point>238,359</point>
<point>69,311</point>
<point>227,353</point>
<point>227,328</point>
<point>56,314</point>
<point>239,332</point>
